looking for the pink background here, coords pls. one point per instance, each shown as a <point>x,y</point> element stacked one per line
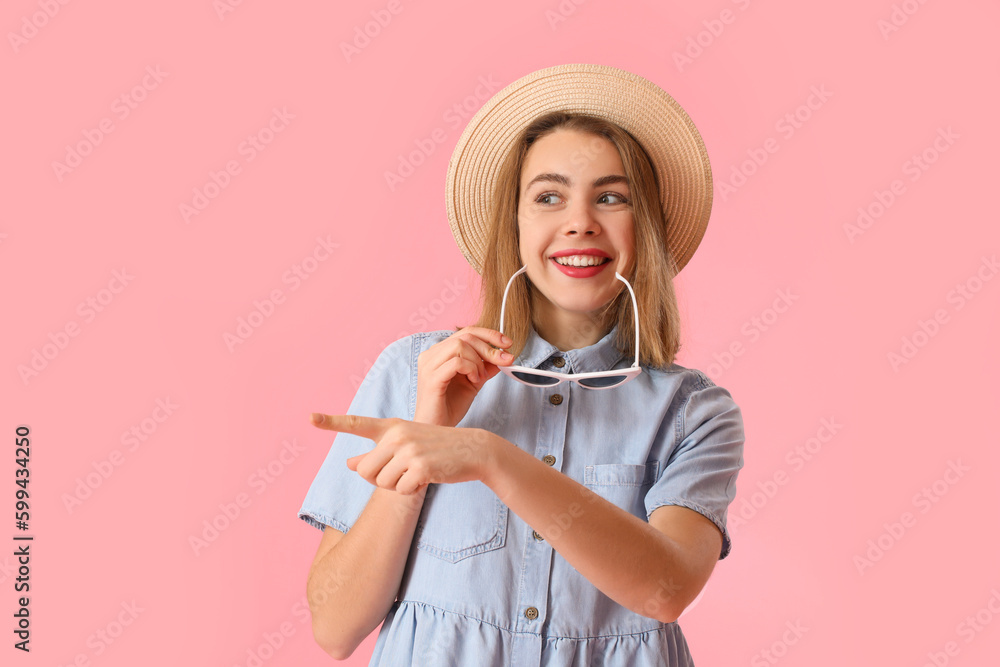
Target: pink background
<point>161,336</point>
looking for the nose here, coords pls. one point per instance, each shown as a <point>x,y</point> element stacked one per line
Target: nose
<point>581,221</point>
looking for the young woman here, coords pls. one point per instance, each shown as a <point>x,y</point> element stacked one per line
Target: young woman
<point>545,486</point>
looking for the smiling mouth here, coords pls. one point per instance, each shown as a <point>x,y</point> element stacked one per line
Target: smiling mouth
<point>581,261</point>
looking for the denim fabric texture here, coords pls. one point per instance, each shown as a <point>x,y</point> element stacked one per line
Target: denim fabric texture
<point>479,588</point>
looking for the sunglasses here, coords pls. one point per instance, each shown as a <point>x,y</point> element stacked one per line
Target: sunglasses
<point>598,380</point>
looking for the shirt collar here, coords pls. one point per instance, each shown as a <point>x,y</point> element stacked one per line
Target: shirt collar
<point>601,356</point>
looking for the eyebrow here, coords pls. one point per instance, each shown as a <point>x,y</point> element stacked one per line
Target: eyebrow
<point>564,180</point>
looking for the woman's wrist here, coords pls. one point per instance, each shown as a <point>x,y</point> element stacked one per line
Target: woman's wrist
<point>427,417</point>
<point>405,504</point>
<point>496,453</point>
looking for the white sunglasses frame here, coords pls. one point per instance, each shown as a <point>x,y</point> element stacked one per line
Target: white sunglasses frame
<point>631,372</point>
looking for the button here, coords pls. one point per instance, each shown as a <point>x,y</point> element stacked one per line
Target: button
<point>559,362</point>
<point>555,399</point>
<point>549,459</point>
<point>531,613</point>
<point>537,536</point>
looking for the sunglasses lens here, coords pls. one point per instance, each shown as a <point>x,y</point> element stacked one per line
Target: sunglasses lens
<point>604,382</point>
<point>537,380</point>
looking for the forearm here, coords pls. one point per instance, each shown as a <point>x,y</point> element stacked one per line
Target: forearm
<point>355,584</point>
<point>625,557</point>
<point>353,587</point>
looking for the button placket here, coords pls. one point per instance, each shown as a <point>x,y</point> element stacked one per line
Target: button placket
<point>533,595</point>
<point>557,362</point>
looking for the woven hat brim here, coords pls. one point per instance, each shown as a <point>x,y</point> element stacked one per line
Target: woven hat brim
<point>637,105</point>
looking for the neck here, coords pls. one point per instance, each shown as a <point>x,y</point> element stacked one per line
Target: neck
<point>569,331</point>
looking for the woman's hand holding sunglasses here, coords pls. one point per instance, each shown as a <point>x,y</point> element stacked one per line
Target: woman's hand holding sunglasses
<point>451,373</point>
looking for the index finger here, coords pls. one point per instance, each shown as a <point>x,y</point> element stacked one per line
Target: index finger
<point>367,427</point>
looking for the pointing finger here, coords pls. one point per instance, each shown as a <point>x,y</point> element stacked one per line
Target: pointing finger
<point>367,427</point>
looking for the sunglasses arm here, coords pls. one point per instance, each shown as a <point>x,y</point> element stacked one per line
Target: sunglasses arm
<point>635,307</point>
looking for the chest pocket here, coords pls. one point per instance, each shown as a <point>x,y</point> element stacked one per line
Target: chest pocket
<point>623,484</point>
<point>461,520</point>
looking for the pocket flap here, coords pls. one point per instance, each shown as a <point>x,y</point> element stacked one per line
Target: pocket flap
<point>621,474</point>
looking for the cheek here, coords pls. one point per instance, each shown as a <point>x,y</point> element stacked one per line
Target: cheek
<point>528,243</point>
<point>626,240</point>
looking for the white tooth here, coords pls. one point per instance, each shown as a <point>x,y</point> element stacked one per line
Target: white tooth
<point>580,260</point>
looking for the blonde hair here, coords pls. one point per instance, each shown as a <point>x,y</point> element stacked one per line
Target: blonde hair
<point>653,269</point>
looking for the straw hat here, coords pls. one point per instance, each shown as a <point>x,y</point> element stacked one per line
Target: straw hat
<point>637,105</point>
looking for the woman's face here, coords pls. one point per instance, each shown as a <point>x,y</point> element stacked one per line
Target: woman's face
<point>574,196</point>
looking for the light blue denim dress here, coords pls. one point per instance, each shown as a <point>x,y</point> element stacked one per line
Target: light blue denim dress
<point>479,588</point>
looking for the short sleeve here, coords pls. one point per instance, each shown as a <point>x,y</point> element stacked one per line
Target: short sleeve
<point>707,456</point>
<point>338,494</point>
